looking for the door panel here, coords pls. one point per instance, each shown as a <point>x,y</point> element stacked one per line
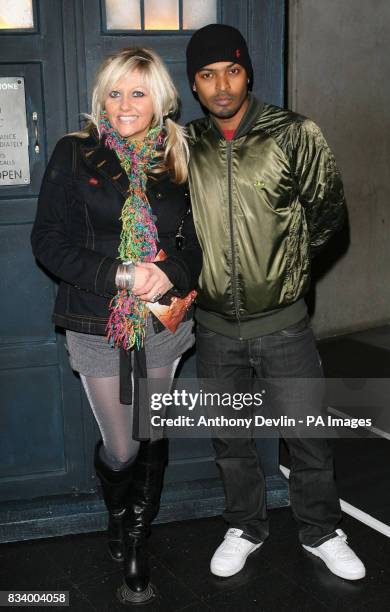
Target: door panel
<point>29,297</point>
<point>30,397</point>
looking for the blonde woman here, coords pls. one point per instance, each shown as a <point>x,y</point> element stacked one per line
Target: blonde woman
<point>113,195</point>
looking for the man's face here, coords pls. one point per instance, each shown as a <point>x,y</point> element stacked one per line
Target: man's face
<point>222,88</point>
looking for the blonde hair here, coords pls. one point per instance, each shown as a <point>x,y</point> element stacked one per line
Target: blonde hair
<point>165,102</point>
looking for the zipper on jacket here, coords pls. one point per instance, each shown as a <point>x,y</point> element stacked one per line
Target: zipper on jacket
<point>234,271</point>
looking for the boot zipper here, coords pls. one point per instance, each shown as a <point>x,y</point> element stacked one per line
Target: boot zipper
<point>234,271</point>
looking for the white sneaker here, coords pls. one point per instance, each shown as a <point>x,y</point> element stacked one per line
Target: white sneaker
<point>339,557</point>
<point>230,556</point>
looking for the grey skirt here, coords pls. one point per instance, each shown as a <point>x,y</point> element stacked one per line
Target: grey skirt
<point>91,355</point>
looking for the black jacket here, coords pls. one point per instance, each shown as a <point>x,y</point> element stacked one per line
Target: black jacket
<point>77,229</point>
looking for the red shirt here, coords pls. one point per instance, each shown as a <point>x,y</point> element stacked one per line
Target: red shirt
<point>229,134</point>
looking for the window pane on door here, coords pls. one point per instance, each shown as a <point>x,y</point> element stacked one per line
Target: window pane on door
<point>123,15</point>
<point>161,14</point>
<point>198,14</point>
<point>16,15</point>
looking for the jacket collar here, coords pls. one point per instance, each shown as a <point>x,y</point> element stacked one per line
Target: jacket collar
<point>254,110</point>
<point>105,162</point>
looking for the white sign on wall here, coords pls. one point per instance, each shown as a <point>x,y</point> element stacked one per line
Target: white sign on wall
<point>14,159</point>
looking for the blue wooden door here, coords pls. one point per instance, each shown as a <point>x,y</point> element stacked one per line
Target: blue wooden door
<point>47,430</point>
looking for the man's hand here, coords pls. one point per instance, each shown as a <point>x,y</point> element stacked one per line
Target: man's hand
<point>150,282</point>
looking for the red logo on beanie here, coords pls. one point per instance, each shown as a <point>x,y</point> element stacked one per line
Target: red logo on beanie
<point>238,52</point>
<point>93,181</point>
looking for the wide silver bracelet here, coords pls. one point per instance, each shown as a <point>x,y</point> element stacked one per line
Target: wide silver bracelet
<point>125,276</point>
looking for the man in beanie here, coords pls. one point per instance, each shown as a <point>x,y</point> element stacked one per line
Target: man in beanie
<point>266,197</point>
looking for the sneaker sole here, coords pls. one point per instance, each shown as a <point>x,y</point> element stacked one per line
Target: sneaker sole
<point>334,571</point>
<point>226,573</point>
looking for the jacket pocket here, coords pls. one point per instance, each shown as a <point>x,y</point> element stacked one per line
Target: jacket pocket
<point>85,304</point>
<point>297,256</point>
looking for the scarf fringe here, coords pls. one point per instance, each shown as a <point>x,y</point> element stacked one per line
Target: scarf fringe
<point>127,322</point>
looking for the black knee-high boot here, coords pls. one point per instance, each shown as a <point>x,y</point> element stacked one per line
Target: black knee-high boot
<point>146,489</point>
<point>116,485</point>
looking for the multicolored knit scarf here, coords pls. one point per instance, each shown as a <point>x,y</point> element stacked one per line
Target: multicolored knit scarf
<point>128,313</point>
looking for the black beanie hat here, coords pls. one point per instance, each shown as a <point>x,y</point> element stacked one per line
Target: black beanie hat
<point>217,42</point>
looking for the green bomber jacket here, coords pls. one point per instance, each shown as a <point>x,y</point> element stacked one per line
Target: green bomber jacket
<point>263,204</point>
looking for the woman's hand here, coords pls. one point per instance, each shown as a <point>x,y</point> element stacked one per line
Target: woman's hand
<point>150,283</point>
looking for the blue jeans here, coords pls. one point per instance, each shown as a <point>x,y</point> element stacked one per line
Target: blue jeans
<point>288,353</point>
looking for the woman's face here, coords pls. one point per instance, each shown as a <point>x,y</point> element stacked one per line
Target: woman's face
<point>129,107</point>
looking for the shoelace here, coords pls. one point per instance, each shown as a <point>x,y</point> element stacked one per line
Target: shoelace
<point>233,541</point>
<point>339,547</point>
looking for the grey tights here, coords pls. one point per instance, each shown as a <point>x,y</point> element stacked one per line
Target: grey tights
<point>115,419</point>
